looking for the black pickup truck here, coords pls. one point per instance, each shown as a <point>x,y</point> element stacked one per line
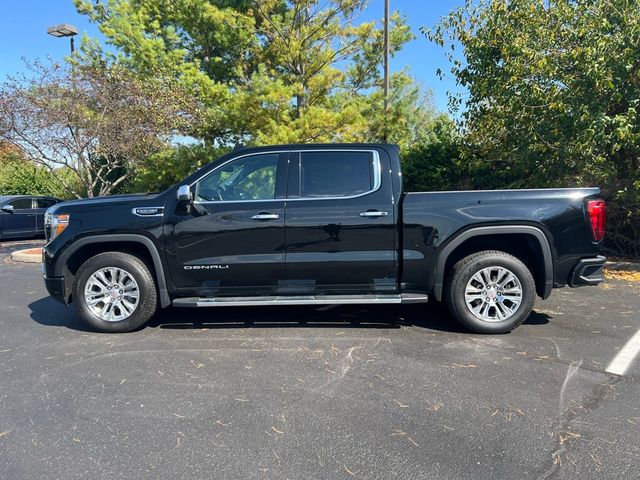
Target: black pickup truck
<point>320,224</point>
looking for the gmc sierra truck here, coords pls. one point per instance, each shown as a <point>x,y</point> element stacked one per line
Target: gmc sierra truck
<point>320,224</point>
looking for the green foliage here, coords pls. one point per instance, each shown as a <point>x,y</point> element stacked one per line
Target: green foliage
<point>171,165</point>
<point>266,72</point>
<point>554,93</point>
<point>97,120</point>
<point>434,163</point>
<point>21,177</point>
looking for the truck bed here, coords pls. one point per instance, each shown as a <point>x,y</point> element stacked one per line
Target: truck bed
<point>431,219</point>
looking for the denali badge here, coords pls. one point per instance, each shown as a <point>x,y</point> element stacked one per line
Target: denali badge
<point>148,211</point>
<point>206,267</point>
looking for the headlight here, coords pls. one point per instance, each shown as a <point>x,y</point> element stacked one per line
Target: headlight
<point>54,224</point>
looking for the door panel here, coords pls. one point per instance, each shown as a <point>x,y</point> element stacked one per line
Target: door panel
<point>23,219</point>
<point>224,245</point>
<point>340,244</point>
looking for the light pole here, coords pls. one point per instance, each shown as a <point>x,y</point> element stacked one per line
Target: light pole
<point>67,30</point>
<point>386,70</point>
<point>63,30</point>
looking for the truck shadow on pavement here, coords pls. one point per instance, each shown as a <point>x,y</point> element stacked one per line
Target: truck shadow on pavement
<point>47,311</point>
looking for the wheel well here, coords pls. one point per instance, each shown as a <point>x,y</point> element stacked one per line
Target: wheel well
<point>523,246</point>
<point>84,253</point>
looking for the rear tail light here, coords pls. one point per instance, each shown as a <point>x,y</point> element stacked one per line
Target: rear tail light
<point>597,216</point>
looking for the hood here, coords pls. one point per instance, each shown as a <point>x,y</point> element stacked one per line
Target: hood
<point>105,201</point>
<point>100,201</point>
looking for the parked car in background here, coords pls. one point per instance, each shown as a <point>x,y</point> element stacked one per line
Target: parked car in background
<point>23,215</point>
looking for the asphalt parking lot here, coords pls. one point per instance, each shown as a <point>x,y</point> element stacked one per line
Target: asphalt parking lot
<point>306,393</point>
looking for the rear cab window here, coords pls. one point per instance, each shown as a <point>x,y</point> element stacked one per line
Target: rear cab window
<point>45,202</point>
<point>331,174</point>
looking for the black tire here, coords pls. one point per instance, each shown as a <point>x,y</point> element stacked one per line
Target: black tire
<point>134,266</point>
<point>469,266</point>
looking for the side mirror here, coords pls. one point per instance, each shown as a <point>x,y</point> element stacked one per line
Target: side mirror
<point>184,193</point>
<point>8,209</point>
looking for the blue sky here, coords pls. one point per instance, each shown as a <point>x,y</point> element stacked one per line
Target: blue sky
<point>24,26</point>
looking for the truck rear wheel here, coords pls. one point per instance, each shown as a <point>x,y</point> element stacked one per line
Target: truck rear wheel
<point>115,292</point>
<point>490,292</point>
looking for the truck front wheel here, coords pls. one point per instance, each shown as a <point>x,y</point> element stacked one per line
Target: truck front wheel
<point>490,292</point>
<point>114,292</point>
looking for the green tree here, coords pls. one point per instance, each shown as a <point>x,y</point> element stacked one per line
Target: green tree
<point>434,163</point>
<point>553,97</point>
<point>169,166</point>
<point>269,71</point>
<point>19,176</point>
<point>98,121</point>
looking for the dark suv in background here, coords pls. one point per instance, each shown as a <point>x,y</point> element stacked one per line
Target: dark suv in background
<point>23,215</point>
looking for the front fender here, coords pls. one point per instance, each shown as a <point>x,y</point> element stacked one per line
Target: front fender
<point>115,238</point>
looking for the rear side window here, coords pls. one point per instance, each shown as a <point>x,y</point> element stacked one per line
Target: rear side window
<point>22,204</point>
<point>45,202</point>
<point>336,174</point>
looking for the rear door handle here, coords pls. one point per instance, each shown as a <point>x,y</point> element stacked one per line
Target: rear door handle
<point>265,216</point>
<point>374,213</point>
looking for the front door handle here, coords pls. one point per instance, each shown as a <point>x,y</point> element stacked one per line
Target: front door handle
<point>374,213</point>
<point>265,216</point>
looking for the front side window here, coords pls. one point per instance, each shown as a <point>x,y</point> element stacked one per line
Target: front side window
<point>22,204</point>
<point>247,178</point>
<point>336,174</point>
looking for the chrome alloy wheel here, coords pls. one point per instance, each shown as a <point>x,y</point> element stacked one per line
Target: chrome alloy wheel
<point>493,294</point>
<point>112,294</point>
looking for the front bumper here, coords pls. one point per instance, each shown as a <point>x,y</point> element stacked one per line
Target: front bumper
<point>588,271</point>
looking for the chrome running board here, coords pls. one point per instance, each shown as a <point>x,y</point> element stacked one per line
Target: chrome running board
<point>300,300</point>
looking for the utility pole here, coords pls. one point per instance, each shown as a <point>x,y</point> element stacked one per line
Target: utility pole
<point>386,70</point>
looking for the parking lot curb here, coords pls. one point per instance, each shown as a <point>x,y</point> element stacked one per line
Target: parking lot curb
<point>30,255</point>
<point>626,266</point>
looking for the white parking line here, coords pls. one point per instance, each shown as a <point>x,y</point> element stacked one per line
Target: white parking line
<point>625,356</point>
